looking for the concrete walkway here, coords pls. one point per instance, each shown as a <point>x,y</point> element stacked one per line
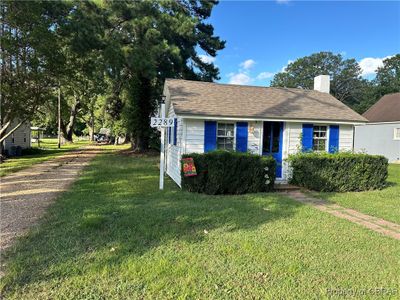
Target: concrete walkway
<point>376,224</point>
<point>25,195</point>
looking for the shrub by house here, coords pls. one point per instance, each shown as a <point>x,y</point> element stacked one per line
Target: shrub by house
<point>339,172</point>
<point>223,172</point>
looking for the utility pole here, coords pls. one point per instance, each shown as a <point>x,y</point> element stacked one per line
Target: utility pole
<point>59,116</point>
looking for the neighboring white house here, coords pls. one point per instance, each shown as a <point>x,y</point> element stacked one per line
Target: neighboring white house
<point>382,134</point>
<point>262,120</point>
<point>21,137</point>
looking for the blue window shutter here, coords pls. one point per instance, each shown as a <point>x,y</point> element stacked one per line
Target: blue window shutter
<point>210,136</point>
<point>308,130</point>
<point>333,138</point>
<point>169,135</point>
<point>175,129</point>
<point>241,136</point>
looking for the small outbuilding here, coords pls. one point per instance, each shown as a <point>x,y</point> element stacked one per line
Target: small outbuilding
<point>19,139</point>
<point>381,135</point>
<point>261,120</point>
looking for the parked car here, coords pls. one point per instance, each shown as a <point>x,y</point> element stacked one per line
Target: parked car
<point>101,138</point>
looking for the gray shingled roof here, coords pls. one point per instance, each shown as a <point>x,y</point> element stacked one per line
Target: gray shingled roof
<point>227,100</point>
<point>387,109</point>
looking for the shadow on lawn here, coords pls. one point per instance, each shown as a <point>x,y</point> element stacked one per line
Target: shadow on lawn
<point>117,204</point>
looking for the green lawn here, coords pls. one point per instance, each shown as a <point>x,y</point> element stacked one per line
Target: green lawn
<point>48,150</point>
<point>114,235</point>
<point>381,203</point>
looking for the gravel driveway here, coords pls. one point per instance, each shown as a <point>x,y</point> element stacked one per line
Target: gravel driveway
<point>25,195</point>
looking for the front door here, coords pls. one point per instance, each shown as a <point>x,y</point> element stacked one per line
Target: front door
<point>272,143</point>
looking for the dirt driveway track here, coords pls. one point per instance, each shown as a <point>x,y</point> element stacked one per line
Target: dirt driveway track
<point>25,195</point>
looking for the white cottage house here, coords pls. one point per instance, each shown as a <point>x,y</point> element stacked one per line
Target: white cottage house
<point>262,120</point>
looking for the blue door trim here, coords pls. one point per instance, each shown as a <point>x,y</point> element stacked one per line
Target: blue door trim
<point>333,138</point>
<point>241,136</point>
<point>210,136</point>
<point>276,155</point>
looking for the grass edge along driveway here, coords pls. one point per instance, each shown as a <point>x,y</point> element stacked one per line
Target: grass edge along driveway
<point>114,235</point>
<point>47,151</point>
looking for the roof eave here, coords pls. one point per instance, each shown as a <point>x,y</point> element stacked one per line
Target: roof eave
<point>282,119</point>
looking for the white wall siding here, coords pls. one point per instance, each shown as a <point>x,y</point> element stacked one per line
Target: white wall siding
<point>254,137</point>
<point>294,131</point>
<point>345,138</point>
<point>190,139</point>
<point>291,145</point>
<point>194,130</point>
<point>293,135</point>
<point>174,152</point>
<point>20,137</point>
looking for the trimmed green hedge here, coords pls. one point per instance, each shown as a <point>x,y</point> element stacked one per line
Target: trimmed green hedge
<point>339,172</point>
<point>223,172</point>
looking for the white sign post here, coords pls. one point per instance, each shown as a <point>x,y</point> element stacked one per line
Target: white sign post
<point>162,123</point>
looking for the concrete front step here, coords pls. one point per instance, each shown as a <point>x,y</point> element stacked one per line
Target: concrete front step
<point>286,187</point>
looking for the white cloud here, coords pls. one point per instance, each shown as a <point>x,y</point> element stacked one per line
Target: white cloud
<point>244,74</point>
<point>370,64</point>
<point>239,78</point>
<point>265,75</point>
<point>247,64</point>
<point>207,59</point>
<point>284,67</point>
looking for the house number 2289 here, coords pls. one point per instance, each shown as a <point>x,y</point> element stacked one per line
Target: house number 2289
<point>162,122</point>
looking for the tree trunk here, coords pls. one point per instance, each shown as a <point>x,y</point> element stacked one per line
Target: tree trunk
<point>4,128</point>
<point>69,128</point>
<point>5,135</point>
<point>91,133</point>
<point>142,100</point>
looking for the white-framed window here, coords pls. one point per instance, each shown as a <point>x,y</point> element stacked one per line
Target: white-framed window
<point>225,136</point>
<point>396,134</point>
<point>12,138</point>
<point>320,138</point>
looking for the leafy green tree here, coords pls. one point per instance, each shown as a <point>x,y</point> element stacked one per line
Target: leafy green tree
<point>82,78</point>
<point>368,95</point>
<point>153,40</point>
<point>387,81</point>
<point>28,57</point>
<point>345,74</point>
<point>388,76</point>
<point>71,45</point>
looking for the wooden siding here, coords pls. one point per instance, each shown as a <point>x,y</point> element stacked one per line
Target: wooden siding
<point>191,140</point>
<point>174,152</point>
<point>22,136</point>
<point>346,137</point>
<point>293,136</point>
<point>255,137</point>
<point>194,131</point>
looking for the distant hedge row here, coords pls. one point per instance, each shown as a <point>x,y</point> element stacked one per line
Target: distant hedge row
<point>339,172</point>
<point>223,172</point>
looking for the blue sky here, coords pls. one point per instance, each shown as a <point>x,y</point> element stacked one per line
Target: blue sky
<point>263,36</point>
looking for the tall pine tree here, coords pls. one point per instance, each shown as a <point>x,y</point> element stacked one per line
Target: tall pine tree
<point>156,40</point>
